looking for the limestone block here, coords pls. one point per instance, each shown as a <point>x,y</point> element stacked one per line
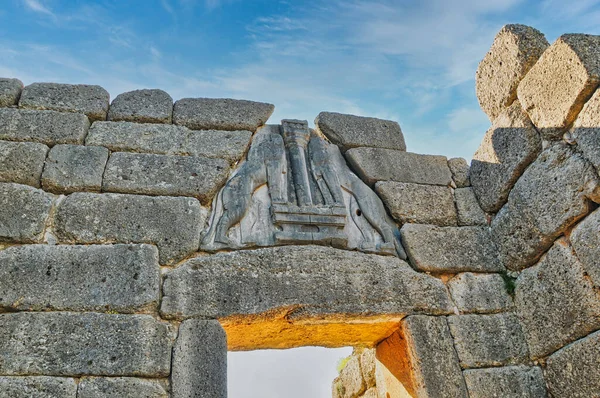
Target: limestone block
<point>142,106</point>
<point>320,280</point>
<point>46,127</point>
<point>573,370</point>
<point>479,293</point>
<point>415,203</point>
<point>378,164</point>
<point>349,131</point>
<point>506,382</point>
<point>370,393</point>
<point>556,302</point>
<point>10,91</point>
<point>488,340</point>
<point>508,147</point>
<point>352,379</point>
<point>557,86</point>
<point>71,168</point>
<point>23,213</point>
<point>585,239</point>
<point>367,366</point>
<point>172,224</point>
<point>122,278</point>
<point>79,98</point>
<point>121,387</point>
<point>450,249</point>
<point>586,130</point>
<point>221,114</point>
<point>460,172</point>
<point>37,387</point>
<point>71,344</point>
<point>515,50</point>
<point>168,175</point>
<point>336,388</point>
<point>169,140</point>
<point>200,361</point>
<point>22,162</point>
<point>468,210</point>
<point>550,197</point>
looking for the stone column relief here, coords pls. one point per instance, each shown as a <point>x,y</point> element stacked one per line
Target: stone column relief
<point>295,188</point>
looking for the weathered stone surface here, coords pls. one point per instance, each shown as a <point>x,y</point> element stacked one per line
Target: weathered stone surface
<point>415,203</point>
<point>450,249</point>
<point>172,224</point>
<point>367,366</point>
<point>71,168</point>
<point>556,302</point>
<point>467,207</point>
<point>557,86</point>
<point>169,140</point>
<point>352,379</point>
<point>515,50</point>
<point>70,344</point>
<point>10,91</point>
<point>80,98</point>
<point>586,130</point>
<point>506,382</point>
<point>121,278</point>
<point>150,174</point>
<point>573,370</point>
<point>550,197</point>
<point>460,172</point>
<point>47,127</point>
<point>37,387</point>
<point>585,239</point>
<point>319,280</point>
<point>221,114</point>
<point>200,360</point>
<point>22,162</point>
<point>120,387</point>
<point>370,393</point>
<point>377,164</point>
<point>349,131</point>
<point>23,213</point>
<point>488,340</point>
<point>142,106</point>
<point>509,146</point>
<point>479,293</point>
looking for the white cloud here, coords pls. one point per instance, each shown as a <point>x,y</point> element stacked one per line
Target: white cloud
<point>37,6</point>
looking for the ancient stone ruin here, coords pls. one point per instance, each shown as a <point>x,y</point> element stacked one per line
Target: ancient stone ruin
<point>140,240</point>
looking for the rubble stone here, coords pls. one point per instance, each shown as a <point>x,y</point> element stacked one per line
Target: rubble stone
<point>468,210</point>
<point>142,106</point>
<point>72,168</point>
<point>10,91</point>
<point>586,242</point>
<point>460,172</point>
<point>22,162</point>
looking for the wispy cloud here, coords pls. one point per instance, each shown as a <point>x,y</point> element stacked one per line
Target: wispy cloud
<point>37,6</point>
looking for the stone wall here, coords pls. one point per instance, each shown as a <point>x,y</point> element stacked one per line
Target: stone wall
<point>141,239</point>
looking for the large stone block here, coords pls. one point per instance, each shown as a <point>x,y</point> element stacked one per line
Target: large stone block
<point>23,213</point>
<point>573,371</point>
<point>506,382</point>
<point>37,387</point>
<point>221,114</point>
<point>460,172</point>
<point>120,387</point>
<point>450,249</point>
<point>557,86</point>
<point>378,164</point>
<point>169,140</point>
<point>479,293</point>
<point>415,203</point>
<point>319,280</point>
<point>200,361</point>
<point>586,130</point>
<point>72,168</point>
<point>349,131</point>
<point>556,302</point>
<point>46,127</point>
<point>80,98</point>
<point>467,208</point>
<point>10,91</point>
<point>553,194</point>
<point>515,50</point>
<point>508,147</point>
<point>488,340</point>
<point>172,224</point>
<point>122,278</point>
<point>168,175</point>
<point>585,239</point>
<point>142,106</point>
<point>22,162</point>
<point>71,344</point>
